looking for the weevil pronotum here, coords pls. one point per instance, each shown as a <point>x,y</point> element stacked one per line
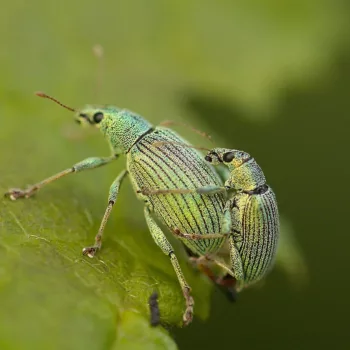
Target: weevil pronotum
<point>250,220</point>
<point>172,166</point>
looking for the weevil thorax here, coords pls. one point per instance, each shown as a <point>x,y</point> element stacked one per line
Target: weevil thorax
<point>122,128</point>
<point>245,173</point>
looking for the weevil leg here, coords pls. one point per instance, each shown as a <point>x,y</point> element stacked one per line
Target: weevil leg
<point>236,263</point>
<point>194,236</point>
<point>88,163</point>
<point>226,283</point>
<point>112,198</point>
<point>228,226</point>
<point>167,249</point>
<point>210,189</point>
<point>232,224</point>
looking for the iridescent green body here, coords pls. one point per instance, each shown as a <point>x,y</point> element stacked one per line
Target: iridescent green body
<point>250,215</point>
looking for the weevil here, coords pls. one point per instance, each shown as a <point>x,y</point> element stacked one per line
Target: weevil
<point>250,220</point>
<point>172,166</point>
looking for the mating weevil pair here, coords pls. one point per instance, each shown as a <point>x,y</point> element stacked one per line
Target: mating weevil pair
<point>185,192</point>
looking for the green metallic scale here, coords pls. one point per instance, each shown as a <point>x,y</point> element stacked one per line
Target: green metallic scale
<point>171,166</point>
<point>250,219</point>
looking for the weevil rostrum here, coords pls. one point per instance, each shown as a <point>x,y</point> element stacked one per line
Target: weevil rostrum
<point>250,220</point>
<point>171,166</point>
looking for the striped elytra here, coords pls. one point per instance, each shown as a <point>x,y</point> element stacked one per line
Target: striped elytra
<point>260,230</point>
<point>171,165</point>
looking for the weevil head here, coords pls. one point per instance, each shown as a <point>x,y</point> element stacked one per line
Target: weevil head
<point>230,157</point>
<point>90,115</point>
<point>245,173</point>
<point>122,128</point>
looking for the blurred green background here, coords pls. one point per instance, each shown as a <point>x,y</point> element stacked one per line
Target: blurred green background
<point>272,78</point>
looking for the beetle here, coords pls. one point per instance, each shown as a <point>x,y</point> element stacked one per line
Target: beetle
<point>172,166</point>
<point>250,220</point>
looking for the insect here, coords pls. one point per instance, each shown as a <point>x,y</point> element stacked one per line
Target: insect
<point>250,220</point>
<point>172,166</point>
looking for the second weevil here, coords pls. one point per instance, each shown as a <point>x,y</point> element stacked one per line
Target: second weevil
<point>250,220</point>
<point>173,166</point>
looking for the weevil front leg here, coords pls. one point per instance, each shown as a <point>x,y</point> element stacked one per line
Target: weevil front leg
<point>112,198</point>
<point>88,163</point>
<point>167,249</point>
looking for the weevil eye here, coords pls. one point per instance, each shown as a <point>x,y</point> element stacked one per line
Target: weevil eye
<point>208,159</point>
<point>97,117</point>
<point>228,157</point>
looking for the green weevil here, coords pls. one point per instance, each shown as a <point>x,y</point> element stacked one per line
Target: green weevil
<point>171,166</point>
<point>250,220</point>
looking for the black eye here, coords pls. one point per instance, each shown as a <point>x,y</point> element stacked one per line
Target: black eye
<point>208,159</point>
<point>228,157</point>
<point>98,117</point>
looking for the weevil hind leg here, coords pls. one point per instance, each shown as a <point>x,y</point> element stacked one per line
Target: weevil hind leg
<point>112,198</point>
<point>226,283</point>
<point>167,249</point>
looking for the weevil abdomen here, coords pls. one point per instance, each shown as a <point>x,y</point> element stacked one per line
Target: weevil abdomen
<point>260,231</point>
<point>159,161</point>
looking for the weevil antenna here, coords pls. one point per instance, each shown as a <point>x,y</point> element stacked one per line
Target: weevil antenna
<point>161,143</point>
<point>197,131</point>
<point>42,94</point>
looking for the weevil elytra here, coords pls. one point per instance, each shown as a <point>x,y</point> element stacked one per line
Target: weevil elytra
<point>250,220</point>
<point>172,166</point>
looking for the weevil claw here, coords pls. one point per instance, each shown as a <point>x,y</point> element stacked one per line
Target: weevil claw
<point>90,251</point>
<point>15,193</point>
